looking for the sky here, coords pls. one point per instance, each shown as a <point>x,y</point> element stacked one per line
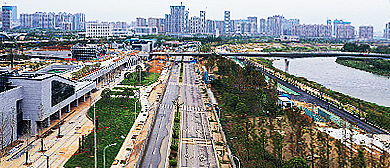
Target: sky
<point>360,12</point>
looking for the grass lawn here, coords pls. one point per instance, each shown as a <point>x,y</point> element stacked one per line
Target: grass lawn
<point>146,78</point>
<point>115,119</point>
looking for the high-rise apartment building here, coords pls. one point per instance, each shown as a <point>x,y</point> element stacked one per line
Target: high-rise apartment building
<point>210,26</point>
<point>387,31</point>
<point>343,29</point>
<point>79,21</point>
<point>227,23</point>
<point>140,22</point>
<point>366,32</point>
<point>152,22</point>
<point>187,21</point>
<point>263,26</point>
<point>9,16</point>
<point>313,31</point>
<point>62,20</point>
<point>288,26</point>
<point>177,16</point>
<point>275,24</point>
<point>253,27</point>
<point>219,26</point>
<point>202,23</point>
<point>168,26</point>
<point>194,25</point>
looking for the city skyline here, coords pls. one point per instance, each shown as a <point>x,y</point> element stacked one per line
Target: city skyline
<point>360,13</point>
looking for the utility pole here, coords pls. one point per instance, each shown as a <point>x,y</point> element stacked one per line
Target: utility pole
<point>94,130</point>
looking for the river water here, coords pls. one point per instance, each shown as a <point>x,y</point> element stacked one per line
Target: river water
<point>356,83</point>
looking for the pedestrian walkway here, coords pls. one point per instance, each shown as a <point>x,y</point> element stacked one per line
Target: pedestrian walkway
<point>183,107</point>
<point>192,108</point>
<point>180,84</point>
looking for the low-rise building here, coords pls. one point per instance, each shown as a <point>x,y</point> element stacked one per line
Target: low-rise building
<point>88,52</point>
<point>145,31</point>
<point>30,101</point>
<point>97,30</point>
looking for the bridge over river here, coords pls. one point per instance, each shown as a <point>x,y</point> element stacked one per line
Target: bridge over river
<point>279,54</point>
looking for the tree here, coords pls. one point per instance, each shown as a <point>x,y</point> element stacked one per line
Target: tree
<point>106,94</point>
<point>340,150</point>
<point>277,142</point>
<point>297,162</point>
<point>128,92</point>
<point>148,67</point>
<point>359,161</point>
<point>211,62</point>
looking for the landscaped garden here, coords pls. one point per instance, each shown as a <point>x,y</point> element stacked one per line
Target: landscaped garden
<point>174,148</point>
<point>147,78</point>
<point>115,119</point>
<point>85,71</point>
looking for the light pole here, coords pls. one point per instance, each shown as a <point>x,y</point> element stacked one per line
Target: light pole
<point>104,154</point>
<point>94,130</point>
<point>47,160</point>
<point>239,163</point>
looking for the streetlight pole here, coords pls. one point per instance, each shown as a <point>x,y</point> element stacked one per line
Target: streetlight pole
<point>239,163</point>
<point>94,130</point>
<point>47,160</point>
<point>104,154</point>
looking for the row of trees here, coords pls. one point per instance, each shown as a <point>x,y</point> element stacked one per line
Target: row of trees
<point>355,47</point>
<point>244,96</point>
<point>261,134</point>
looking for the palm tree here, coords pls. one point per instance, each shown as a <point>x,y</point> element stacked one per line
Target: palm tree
<point>128,92</point>
<point>139,69</point>
<point>148,67</point>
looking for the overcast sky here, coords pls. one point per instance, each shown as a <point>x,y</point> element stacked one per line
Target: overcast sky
<point>359,12</point>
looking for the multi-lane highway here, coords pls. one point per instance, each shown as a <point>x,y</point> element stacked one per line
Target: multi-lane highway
<point>156,151</point>
<point>196,146</point>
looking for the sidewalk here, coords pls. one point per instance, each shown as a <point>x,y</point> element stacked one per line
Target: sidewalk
<point>60,150</point>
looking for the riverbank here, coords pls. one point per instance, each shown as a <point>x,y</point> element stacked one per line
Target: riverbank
<point>376,66</point>
<point>376,114</point>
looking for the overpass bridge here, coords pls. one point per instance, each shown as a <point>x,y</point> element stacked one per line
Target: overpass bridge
<point>279,54</point>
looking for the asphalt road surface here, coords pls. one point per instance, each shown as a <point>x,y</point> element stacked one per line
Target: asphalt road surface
<point>196,146</point>
<point>156,151</point>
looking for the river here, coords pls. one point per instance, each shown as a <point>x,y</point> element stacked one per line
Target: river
<point>356,83</point>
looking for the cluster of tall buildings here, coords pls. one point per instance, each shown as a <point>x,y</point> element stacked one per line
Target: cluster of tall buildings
<point>179,22</point>
<point>62,20</point>
<point>41,20</point>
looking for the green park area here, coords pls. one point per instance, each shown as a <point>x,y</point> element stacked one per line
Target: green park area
<point>133,79</point>
<point>115,119</point>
